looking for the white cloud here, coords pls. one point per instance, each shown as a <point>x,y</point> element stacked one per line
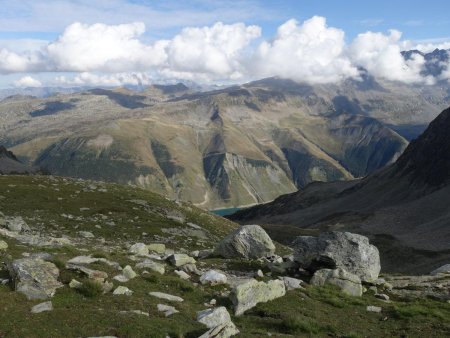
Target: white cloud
<point>209,52</point>
<point>112,80</point>
<point>100,47</point>
<point>27,81</point>
<point>11,62</point>
<point>311,52</point>
<point>381,55</point>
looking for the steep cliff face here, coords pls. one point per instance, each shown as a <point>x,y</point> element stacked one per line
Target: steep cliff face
<point>230,147</point>
<point>427,159</point>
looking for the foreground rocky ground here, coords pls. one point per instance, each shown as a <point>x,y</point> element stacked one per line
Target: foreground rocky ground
<point>85,259</point>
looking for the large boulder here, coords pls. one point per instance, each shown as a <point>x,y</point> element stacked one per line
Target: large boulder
<point>34,277</point>
<point>246,295</point>
<point>248,241</point>
<point>348,282</point>
<point>333,250</point>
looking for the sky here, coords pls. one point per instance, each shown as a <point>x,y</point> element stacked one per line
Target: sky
<point>118,42</point>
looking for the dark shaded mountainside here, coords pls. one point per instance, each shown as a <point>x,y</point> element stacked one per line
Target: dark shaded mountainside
<point>9,164</point>
<point>404,207</point>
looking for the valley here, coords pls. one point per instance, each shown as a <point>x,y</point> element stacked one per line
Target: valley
<point>225,148</point>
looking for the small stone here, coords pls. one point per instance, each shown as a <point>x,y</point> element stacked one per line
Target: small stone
<point>128,272</point>
<point>166,296</point>
<point>17,224</point>
<point>149,264</point>
<point>213,317</point>
<point>372,308</point>
<point>213,277</point>
<point>157,247</point>
<point>180,259</point>
<point>3,245</point>
<point>168,310</point>
<point>382,296</point>
<point>259,274</point>
<point>191,268</point>
<point>292,283</point>
<point>46,306</point>
<point>222,331</point>
<point>122,290</point>
<point>182,274</point>
<point>90,273</point>
<point>74,284</point>
<point>194,253</point>
<point>374,289</point>
<point>86,234</point>
<point>139,249</point>
<point>121,278</point>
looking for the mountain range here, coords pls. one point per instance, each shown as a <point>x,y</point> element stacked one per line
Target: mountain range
<point>230,147</point>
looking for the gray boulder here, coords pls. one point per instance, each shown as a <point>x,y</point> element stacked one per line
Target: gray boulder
<point>247,295</point>
<point>248,241</point>
<point>333,250</point>
<point>180,260</point>
<point>34,277</point>
<point>149,264</point>
<point>219,322</point>
<point>213,277</point>
<point>349,283</point>
<point>213,317</point>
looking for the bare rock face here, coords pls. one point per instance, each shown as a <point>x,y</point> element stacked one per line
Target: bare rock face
<point>332,250</point>
<point>348,282</point>
<point>248,241</point>
<point>35,278</point>
<point>245,296</point>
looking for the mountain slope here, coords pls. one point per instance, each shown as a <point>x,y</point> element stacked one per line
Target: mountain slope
<point>407,201</point>
<point>231,147</point>
<point>9,164</point>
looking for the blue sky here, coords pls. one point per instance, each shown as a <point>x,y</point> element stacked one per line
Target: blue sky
<point>27,26</point>
<point>45,20</point>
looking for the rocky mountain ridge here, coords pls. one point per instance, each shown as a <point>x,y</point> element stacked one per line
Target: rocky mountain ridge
<point>230,147</point>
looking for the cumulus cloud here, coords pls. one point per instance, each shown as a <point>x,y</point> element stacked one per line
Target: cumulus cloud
<point>105,48</point>
<point>311,52</point>
<point>209,52</point>
<point>11,62</point>
<point>381,55</point>
<point>91,79</point>
<point>27,81</point>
